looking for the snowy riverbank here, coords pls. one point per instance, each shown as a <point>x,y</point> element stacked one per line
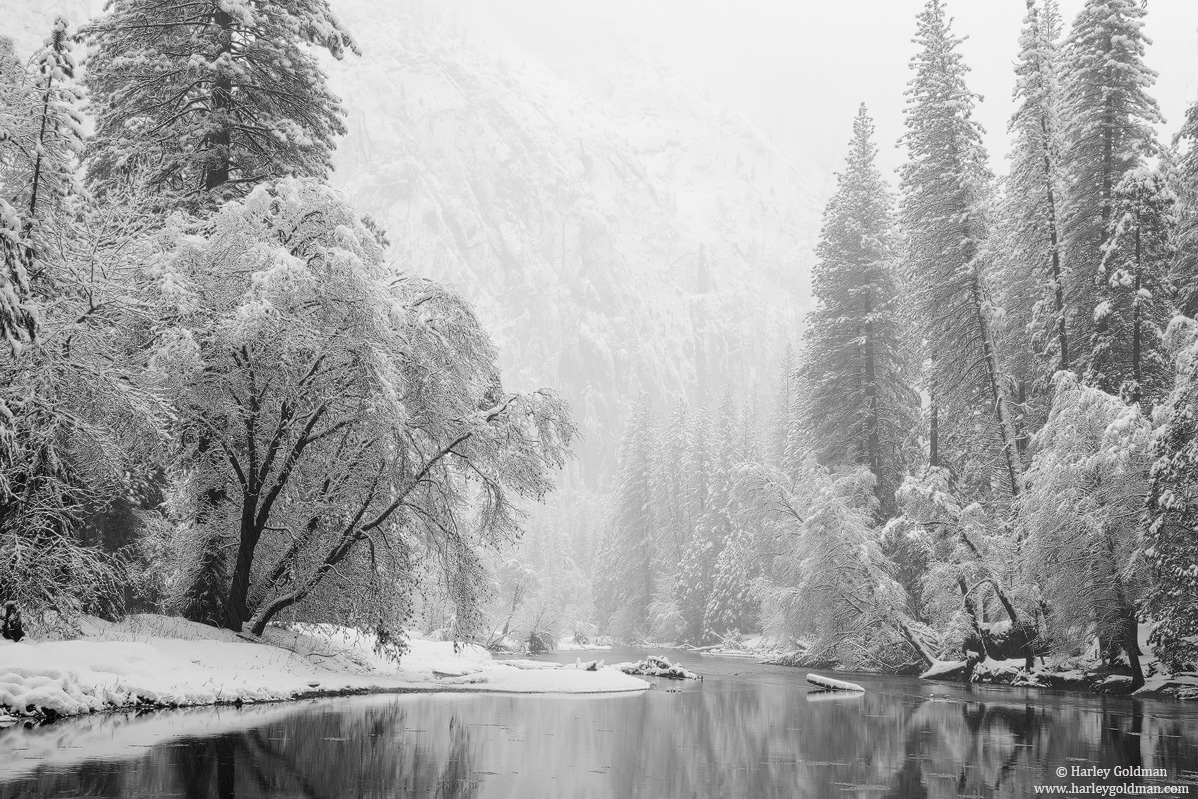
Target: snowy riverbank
<point>155,661</point>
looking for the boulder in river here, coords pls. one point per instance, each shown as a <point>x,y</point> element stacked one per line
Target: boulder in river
<point>658,666</point>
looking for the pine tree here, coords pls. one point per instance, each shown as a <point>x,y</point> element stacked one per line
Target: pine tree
<point>208,98</point>
<point>1184,273</point>
<point>1169,541</point>
<point>781,417</point>
<point>58,138</point>
<point>1030,287</point>
<point>671,478</point>
<point>41,136</point>
<point>731,605</point>
<point>856,401</point>
<point>1127,353</point>
<point>1107,117</point>
<point>18,311</point>
<point>714,457</point>
<point>624,589</point>
<point>945,187</point>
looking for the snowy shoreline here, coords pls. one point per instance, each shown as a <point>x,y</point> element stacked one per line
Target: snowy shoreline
<point>159,662</point>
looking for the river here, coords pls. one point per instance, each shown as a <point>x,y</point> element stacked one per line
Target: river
<point>746,730</point>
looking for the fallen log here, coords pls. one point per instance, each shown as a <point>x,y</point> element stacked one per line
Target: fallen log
<point>832,685</point>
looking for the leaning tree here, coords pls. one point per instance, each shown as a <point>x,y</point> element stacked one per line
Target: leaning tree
<point>339,423</point>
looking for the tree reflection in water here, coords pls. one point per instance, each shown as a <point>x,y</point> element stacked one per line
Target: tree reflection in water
<point>734,735</point>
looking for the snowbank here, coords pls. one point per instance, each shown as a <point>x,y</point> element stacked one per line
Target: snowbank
<point>158,661</point>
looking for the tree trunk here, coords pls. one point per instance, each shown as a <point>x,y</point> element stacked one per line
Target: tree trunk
<point>236,610</point>
<point>905,630</point>
<point>1054,244</point>
<point>972,610</point>
<point>1002,414</point>
<point>933,430</point>
<point>1022,437</point>
<point>1131,645</point>
<point>1136,336</point>
<point>873,446</point>
<point>218,163</point>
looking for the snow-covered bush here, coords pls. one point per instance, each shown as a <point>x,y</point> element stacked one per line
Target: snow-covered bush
<point>829,583</point>
<point>1082,510</point>
<point>1170,545</point>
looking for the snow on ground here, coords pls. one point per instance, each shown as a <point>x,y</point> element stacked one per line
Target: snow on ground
<point>154,660</point>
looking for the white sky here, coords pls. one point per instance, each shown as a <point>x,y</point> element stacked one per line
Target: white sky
<point>799,68</point>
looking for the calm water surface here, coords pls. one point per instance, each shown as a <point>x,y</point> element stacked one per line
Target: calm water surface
<point>746,731</point>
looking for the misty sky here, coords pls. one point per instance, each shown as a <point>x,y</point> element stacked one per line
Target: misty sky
<point>798,68</point>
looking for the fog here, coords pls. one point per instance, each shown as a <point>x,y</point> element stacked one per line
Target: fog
<point>798,70</point>
<point>588,260</point>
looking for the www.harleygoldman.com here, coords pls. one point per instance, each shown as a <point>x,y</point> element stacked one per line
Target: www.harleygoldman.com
<point>1079,787</point>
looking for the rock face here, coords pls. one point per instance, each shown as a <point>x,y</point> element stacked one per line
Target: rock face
<point>616,232</point>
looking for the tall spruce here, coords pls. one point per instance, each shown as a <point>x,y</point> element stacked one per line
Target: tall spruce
<point>945,189</point>
<point>624,588</point>
<point>18,310</point>
<point>1169,543</point>
<point>1031,288</point>
<point>41,137</point>
<point>855,397</point>
<point>1128,357</point>
<point>709,465</point>
<point>58,139</point>
<point>204,99</point>
<point>1184,273</point>
<point>1107,117</point>
<point>780,419</point>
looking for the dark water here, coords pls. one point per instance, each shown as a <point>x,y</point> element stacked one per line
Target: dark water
<point>746,731</point>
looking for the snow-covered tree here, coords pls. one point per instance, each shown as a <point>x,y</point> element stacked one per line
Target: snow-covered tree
<point>1086,488</point>
<point>57,139</point>
<point>1185,267</point>
<point>783,409</point>
<point>1169,541</point>
<point>713,525</point>
<point>828,581</point>
<point>855,397</point>
<point>1107,127</point>
<point>338,422</point>
<point>972,578</point>
<point>624,586</point>
<point>79,422</point>
<point>1127,351</point>
<point>675,484</point>
<point>41,136</point>
<point>18,311</point>
<point>731,604</point>
<point>945,189</point>
<point>205,100</point>
<point>1030,283</point>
